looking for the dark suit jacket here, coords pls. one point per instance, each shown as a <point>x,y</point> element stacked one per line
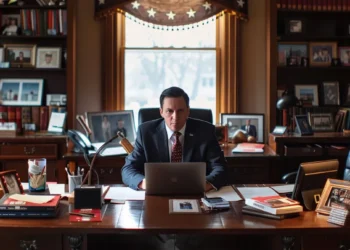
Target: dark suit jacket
<point>252,130</point>
<point>200,145</point>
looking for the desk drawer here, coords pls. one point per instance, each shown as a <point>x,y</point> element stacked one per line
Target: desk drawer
<point>25,151</point>
<point>303,150</point>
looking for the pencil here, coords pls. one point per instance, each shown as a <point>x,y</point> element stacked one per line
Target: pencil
<point>82,214</point>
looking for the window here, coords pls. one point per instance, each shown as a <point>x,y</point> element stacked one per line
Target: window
<point>156,59</point>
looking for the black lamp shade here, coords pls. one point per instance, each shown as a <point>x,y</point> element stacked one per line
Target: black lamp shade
<point>287,101</point>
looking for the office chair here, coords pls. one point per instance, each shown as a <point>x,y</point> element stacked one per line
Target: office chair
<point>148,114</point>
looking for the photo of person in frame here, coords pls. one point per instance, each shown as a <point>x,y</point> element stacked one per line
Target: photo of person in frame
<point>338,196</point>
<point>186,206</point>
<point>12,184</point>
<point>295,26</point>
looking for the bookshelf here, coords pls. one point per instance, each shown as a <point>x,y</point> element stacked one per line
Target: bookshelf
<point>34,21</point>
<point>318,23</point>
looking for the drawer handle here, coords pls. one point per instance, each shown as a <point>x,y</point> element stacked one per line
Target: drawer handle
<point>29,151</point>
<point>28,244</point>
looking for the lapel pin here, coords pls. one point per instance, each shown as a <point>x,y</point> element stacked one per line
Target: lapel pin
<point>191,134</point>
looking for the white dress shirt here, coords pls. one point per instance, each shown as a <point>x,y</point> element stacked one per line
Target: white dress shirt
<point>172,138</point>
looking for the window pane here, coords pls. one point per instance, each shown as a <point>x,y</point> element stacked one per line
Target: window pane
<point>142,36</point>
<point>149,72</point>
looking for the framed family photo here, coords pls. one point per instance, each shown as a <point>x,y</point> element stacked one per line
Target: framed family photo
<point>105,125</point>
<point>10,24</point>
<point>344,55</point>
<point>321,53</point>
<point>307,94</point>
<point>20,55</point>
<point>321,122</point>
<point>48,58</point>
<point>10,182</point>
<point>249,124</point>
<point>21,92</point>
<point>335,192</point>
<point>291,54</point>
<point>303,126</point>
<point>331,93</point>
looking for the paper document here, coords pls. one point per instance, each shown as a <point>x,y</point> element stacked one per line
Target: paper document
<point>124,193</point>
<point>39,199</point>
<point>282,189</point>
<point>108,150</point>
<point>250,192</point>
<point>227,193</point>
<point>56,188</point>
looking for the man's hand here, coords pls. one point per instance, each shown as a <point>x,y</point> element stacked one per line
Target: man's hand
<point>208,187</point>
<point>142,184</point>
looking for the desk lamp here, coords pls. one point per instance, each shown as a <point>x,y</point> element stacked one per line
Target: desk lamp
<point>287,101</point>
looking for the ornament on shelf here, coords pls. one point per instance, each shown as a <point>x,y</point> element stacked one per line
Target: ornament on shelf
<point>51,3</point>
<point>62,3</point>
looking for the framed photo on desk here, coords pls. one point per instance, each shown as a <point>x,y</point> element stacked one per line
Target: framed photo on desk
<point>10,182</point>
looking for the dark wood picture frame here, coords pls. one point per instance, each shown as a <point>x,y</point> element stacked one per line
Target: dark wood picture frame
<point>331,93</point>
<point>10,182</point>
<point>322,122</point>
<point>303,126</point>
<point>295,26</point>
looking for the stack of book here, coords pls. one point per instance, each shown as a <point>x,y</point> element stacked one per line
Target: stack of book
<point>339,215</point>
<point>10,206</point>
<point>215,203</point>
<point>275,207</point>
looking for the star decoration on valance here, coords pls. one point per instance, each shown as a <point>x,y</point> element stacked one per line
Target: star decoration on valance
<point>191,13</point>
<point>172,12</point>
<point>151,12</point>
<point>240,3</point>
<point>135,5</point>
<point>171,15</point>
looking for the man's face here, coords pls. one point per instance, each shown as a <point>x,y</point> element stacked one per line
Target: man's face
<point>48,59</point>
<point>175,112</point>
<point>247,122</point>
<point>21,54</point>
<point>120,124</point>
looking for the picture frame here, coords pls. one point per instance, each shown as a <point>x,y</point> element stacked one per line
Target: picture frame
<point>291,53</point>
<point>307,94</point>
<point>331,93</point>
<point>334,192</point>
<point>48,57</point>
<point>321,53</point>
<point>20,55</point>
<point>10,24</point>
<point>10,182</point>
<point>344,55</point>
<point>184,206</point>
<point>321,122</point>
<point>21,92</point>
<point>236,122</point>
<point>347,96</point>
<point>1,55</point>
<point>221,134</point>
<point>104,125</point>
<point>295,26</point>
<point>303,126</point>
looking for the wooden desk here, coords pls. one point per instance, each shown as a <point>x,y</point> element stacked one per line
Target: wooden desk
<point>242,167</point>
<point>152,217</point>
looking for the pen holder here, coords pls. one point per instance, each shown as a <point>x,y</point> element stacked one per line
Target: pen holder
<point>74,181</point>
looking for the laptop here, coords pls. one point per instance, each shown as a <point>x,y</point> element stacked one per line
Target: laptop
<point>183,178</point>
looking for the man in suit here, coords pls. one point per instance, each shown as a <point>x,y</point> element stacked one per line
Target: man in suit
<point>175,138</point>
<point>249,128</point>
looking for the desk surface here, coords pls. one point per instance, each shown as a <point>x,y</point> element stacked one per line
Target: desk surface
<point>152,216</point>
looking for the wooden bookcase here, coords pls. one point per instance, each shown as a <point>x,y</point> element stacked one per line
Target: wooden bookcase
<point>56,80</point>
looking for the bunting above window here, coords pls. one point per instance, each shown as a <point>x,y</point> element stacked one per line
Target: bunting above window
<point>172,12</point>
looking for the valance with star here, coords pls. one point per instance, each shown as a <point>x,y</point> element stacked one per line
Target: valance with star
<point>172,12</point>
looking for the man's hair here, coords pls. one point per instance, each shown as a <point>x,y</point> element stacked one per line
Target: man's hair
<point>174,92</point>
<point>48,55</point>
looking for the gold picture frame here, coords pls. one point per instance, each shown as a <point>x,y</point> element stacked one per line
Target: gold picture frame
<point>10,182</point>
<point>20,55</point>
<point>335,191</point>
<point>322,53</point>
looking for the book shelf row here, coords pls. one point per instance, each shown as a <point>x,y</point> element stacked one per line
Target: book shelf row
<point>314,5</point>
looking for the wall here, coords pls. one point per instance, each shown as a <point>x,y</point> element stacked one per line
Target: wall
<point>252,80</point>
<point>88,59</point>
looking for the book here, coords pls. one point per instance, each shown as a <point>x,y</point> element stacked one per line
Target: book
<point>9,204</point>
<point>27,214</point>
<point>249,148</point>
<point>215,203</point>
<point>87,215</point>
<point>274,210</point>
<point>274,201</point>
<point>253,211</point>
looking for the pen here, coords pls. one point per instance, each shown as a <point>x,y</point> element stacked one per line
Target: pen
<point>82,214</point>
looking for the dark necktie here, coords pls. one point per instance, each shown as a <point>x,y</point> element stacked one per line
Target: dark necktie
<point>176,151</point>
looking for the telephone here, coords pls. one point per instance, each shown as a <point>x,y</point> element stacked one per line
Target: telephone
<point>80,141</point>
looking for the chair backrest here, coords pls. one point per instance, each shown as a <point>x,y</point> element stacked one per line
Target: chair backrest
<point>148,114</point>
